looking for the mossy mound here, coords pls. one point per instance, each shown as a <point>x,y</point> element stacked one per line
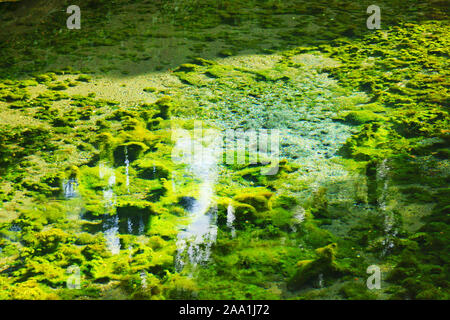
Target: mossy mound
<point>308,270</point>
<point>361,117</point>
<point>148,169</point>
<point>244,214</point>
<point>260,201</point>
<point>163,107</point>
<point>400,140</point>
<point>130,150</point>
<point>134,217</point>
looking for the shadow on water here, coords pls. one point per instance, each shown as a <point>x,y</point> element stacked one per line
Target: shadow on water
<point>124,222</point>
<point>145,37</point>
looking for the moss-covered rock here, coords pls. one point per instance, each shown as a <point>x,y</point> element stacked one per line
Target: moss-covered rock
<point>307,270</point>
<point>357,291</point>
<point>260,201</point>
<point>130,150</point>
<point>58,86</point>
<point>244,214</point>
<point>84,78</point>
<point>48,240</point>
<point>31,290</point>
<point>164,107</point>
<point>361,117</point>
<point>134,217</point>
<point>151,169</point>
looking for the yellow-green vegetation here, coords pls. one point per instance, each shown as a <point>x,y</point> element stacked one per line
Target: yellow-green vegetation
<point>308,270</point>
<point>89,185</point>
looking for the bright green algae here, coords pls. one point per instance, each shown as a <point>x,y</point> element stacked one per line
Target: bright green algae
<point>298,234</point>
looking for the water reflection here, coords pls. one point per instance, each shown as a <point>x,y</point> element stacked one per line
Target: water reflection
<point>389,228</point>
<point>194,242</point>
<point>127,166</point>
<point>230,220</point>
<point>111,232</point>
<point>110,223</point>
<point>69,188</point>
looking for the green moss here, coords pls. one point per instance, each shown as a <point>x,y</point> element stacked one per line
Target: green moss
<point>19,105</point>
<point>191,78</point>
<point>221,205</point>
<point>361,117</point>
<point>28,83</point>
<point>186,67</point>
<point>282,219</point>
<point>52,96</point>
<point>45,78</point>
<point>138,213</point>
<point>308,270</point>
<point>356,291</point>
<point>133,151</point>
<point>150,169</point>
<point>10,94</point>
<point>19,141</point>
<point>402,69</point>
<point>31,290</point>
<point>259,201</point>
<point>285,201</point>
<point>371,143</point>
<point>154,124</point>
<point>225,53</point>
<point>179,287</point>
<point>161,108</point>
<point>58,86</point>
<point>150,89</point>
<point>48,240</point>
<point>244,214</point>
<point>95,251</point>
<point>84,78</point>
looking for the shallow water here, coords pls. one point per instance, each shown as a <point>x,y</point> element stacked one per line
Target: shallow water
<point>115,150</point>
<point>195,240</point>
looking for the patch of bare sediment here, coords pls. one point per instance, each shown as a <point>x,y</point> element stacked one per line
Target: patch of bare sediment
<point>130,90</point>
<point>11,117</point>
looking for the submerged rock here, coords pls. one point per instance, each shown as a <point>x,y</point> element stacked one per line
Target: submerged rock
<point>129,218</point>
<point>134,218</point>
<point>152,170</point>
<point>260,201</point>
<point>132,150</point>
<point>308,270</point>
<point>163,106</point>
<point>361,117</point>
<point>188,203</point>
<point>244,213</point>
